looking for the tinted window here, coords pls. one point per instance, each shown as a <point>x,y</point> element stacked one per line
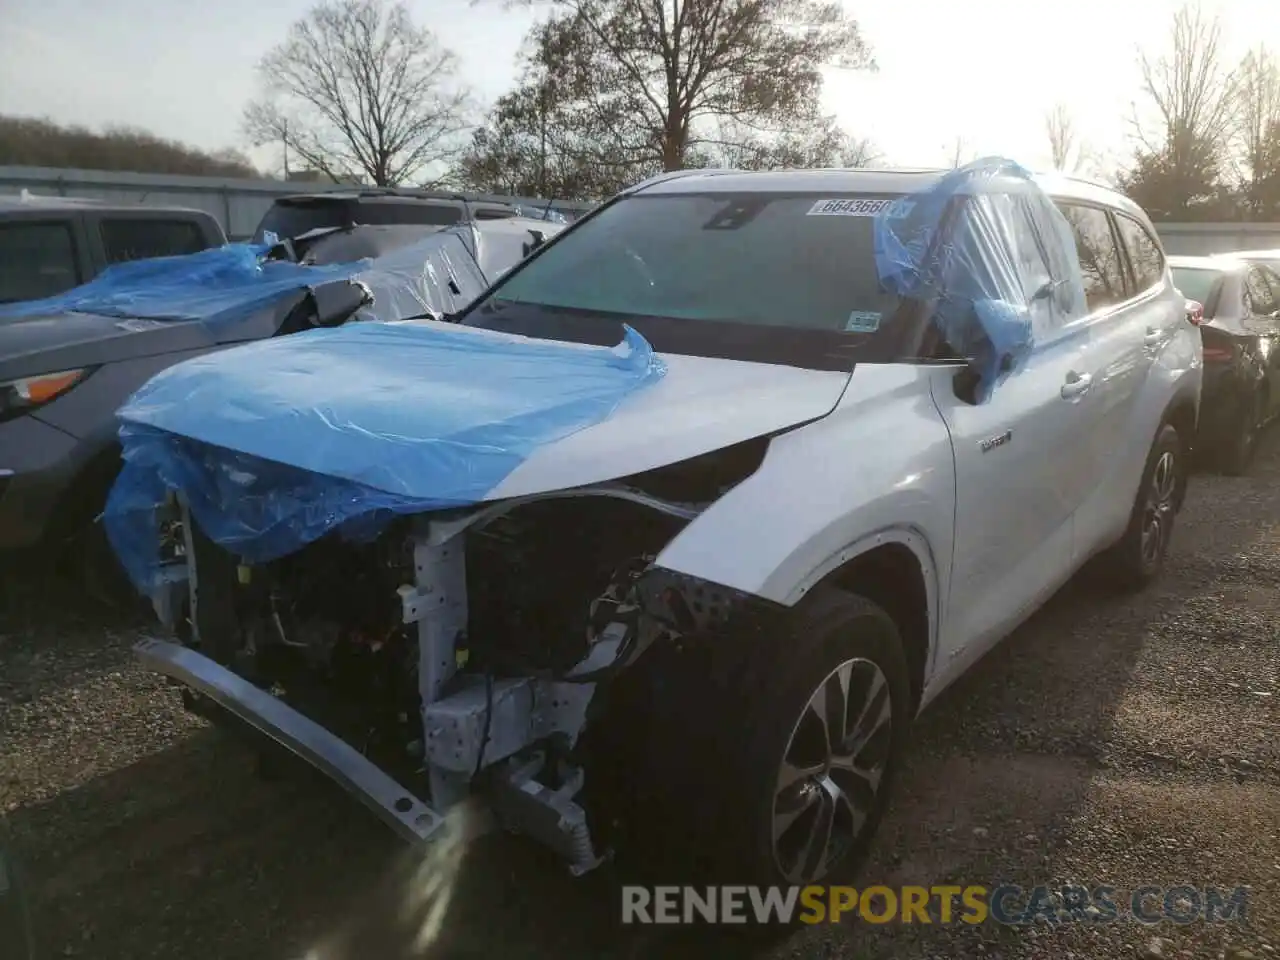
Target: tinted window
<point>757,259</point>
<point>1144,253</point>
<point>1259,296</point>
<point>295,218</point>
<point>1273,281</point>
<point>425,214</point>
<point>139,239</point>
<point>36,260</point>
<point>1098,254</point>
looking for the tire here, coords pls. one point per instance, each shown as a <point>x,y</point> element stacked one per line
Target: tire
<point>1137,559</point>
<point>838,636</point>
<point>1237,456</point>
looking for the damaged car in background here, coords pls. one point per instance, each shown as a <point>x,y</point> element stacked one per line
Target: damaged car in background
<point>659,548</point>
<point>67,362</point>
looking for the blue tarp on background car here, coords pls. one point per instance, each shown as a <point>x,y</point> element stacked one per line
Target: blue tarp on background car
<point>348,427</point>
<point>994,252</point>
<point>223,285</point>
<point>218,286</point>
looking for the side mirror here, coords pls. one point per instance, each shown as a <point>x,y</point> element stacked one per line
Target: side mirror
<point>538,238</point>
<point>1045,292</point>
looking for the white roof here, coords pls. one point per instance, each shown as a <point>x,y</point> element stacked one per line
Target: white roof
<point>862,180</point>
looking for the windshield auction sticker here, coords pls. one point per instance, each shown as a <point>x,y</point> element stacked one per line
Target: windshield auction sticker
<point>860,207</point>
<point>862,321</point>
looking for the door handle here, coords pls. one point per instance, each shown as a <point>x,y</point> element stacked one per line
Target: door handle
<point>1153,337</point>
<point>1077,385</point>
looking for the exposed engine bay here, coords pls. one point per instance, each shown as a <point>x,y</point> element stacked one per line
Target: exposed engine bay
<point>456,653</point>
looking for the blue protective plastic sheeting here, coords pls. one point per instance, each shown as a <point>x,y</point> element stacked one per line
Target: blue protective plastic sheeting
<point>435,276</point>
<point>993,253</point>
<point>218,286</point>
<point>278,442</point>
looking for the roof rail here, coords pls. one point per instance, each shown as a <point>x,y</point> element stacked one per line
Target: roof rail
<point>678,175</point>
<point>1089,181</point>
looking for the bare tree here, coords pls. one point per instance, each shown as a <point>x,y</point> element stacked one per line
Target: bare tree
<point>1257,131</point>
<point>1183,137</point>
<point>1060,129</point>
<point>358,91</point>
<point>960,152</point>
<point>42,143</point>
<point>642,86</point>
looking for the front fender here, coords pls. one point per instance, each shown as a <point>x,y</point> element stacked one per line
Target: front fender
<point>879,466</point>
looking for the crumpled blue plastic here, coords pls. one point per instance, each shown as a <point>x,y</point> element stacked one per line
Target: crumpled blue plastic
<point>422,278</point>
<point>218,286</point>
<point>995,256</point>
<point>276,443</point>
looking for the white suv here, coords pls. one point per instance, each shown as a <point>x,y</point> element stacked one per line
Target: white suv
<point>888,414</point>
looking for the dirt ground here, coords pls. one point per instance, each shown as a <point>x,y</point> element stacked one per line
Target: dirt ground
<point>1121,741</point>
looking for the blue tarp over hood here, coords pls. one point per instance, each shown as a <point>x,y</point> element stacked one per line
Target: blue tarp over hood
<point>275,443</point>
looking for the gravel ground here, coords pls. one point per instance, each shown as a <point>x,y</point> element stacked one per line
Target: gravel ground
<point>1120,741</point>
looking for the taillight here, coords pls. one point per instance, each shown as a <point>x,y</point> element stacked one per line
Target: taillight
<point>1217,346</point>
<point>1217,354</point>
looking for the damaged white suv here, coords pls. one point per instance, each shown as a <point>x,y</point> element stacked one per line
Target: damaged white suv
<point>664,543</point>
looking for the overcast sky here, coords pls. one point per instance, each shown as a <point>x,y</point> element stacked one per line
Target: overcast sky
<point>985,71</point>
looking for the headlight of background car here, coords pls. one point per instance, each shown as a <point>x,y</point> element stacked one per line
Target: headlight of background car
<point>19,396</point>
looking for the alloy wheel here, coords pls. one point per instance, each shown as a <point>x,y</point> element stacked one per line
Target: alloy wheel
<point>831,771</point>
<point>1157,515</point>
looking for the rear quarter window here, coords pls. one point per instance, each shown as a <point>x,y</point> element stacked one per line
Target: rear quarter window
<point>37,260</point>
<point>139,239</point>
<point>1101,262</point>
<point>1145,256</point>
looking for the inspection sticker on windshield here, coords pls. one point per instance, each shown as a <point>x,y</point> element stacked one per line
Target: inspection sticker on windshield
<point>860,207</point>
<point>862,321</point>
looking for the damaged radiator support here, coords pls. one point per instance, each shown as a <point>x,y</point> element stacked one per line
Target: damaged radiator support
<point>487,723</point>
<point>483,724</point>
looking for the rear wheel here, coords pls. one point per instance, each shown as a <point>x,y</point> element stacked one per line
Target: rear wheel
<point>1139,556</point>
<point>1240,449</point>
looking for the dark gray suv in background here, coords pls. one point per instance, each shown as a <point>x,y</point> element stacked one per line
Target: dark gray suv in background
<point>50,244</point>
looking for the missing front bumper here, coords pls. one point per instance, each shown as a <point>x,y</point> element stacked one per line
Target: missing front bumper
<point>410,817</point>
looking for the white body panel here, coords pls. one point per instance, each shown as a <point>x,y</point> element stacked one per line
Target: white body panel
<point>701,405</point>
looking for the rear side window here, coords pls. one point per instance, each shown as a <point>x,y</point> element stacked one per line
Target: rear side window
<point>1144,253</point>
<point>409,214</point>
<point>139,239</point>
<point>1273,282</point>
<point>36,260</point>
<point>1098,254</point>
<point>1258,294</point>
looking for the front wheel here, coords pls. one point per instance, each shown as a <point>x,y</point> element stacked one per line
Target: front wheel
<point>1139,556</point>
<point>827,728</point>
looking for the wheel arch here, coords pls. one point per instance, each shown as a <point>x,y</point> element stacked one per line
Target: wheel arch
<point>895,569</point>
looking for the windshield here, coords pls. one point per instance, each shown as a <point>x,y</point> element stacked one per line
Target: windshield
<point>745,276</point>
<point>1196,283</point>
